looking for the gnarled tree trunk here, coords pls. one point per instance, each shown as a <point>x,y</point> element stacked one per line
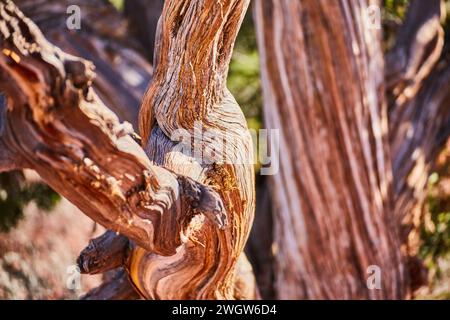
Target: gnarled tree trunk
<point>185,218</point>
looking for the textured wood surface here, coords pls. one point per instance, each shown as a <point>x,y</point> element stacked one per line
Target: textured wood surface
<point>358,152</point>
<point>189,87</point>
<point>187,221</point>
<point>322,73</point>
<point>104,38</point>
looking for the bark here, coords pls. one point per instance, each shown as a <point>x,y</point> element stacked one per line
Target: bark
<point>345,198</point>
<point>108,251</point>
<point>322,73</point>
<point>188,88</point>
<point>188,221</point>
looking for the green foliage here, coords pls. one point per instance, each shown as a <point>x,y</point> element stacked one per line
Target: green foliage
<point>395,9</point>
<point>435,230</point>
<point>16,193</point>
<point>118,4</point>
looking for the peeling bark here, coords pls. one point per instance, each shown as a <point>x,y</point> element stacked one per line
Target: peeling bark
<point>323,87</point>
<point>59,120</point>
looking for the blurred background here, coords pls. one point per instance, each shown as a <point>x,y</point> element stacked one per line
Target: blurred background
<point>41,234</point>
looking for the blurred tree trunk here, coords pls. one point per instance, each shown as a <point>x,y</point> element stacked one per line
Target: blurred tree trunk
<point>348,178</point>
<point>143,16</point>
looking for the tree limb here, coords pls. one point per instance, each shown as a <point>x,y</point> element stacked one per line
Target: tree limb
<point>104,253</point>
<point>332,196</point>
<point>173,212</point>
<point>57,122</point>
<point>189,89</point>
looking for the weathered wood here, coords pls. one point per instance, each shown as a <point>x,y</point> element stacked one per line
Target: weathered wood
<point>175,213</point>
<point>117,287</point>
<point>322,73</point>
<point>193,62</point>
<point>334,114</point>
<point>189,85</point>
<point>107,252</point>
<point>105,39</point>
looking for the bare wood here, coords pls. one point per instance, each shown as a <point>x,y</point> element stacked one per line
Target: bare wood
<point>107,252</point>
<point>66,127</point>
<point>189,86</point>
<point>104,38</point>
<point>323,88</point>
<point>192,63</point>
<point>177,224</point>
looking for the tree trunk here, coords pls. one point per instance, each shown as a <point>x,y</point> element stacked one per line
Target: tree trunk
<point>187,218</point>
<point>323,76</point>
